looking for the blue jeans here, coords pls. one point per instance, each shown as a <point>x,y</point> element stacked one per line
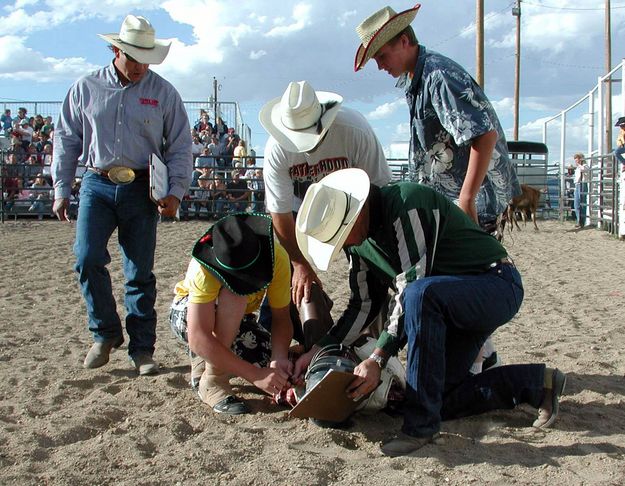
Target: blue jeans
<point>104,207</point>
<point>447,319</point>
<point>579,202</point>
<point>619,153</point>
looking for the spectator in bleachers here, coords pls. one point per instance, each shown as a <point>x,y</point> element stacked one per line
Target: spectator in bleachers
<point>12,180</point>
<point>204,123</point>
<point>220,128</point>
<point>39,195</point>
<point>25,132</point>
<point>17,149</point>
<point>220,196</point>
<point>21,115</point>
<point>205,159</point>
<point>240,152</point>
<point>238,193</point>
<point>250,168</point>
<point>232,141</point>
<point>205,137</point>
<point>33,169</point>
<point>196,146</point>
<point>199,172</point>
<point>257,187</point>
<point>619,152</point>
<point>48,126</point>
<point>203,197</point>
<point>44,139</point>
<point>38,123</point>
<point>7,122</point>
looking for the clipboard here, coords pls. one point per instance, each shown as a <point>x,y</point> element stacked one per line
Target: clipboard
<point>327,400</point>
<point>159,178</point>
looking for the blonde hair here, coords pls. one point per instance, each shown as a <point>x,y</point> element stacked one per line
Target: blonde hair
<point>580,156</point>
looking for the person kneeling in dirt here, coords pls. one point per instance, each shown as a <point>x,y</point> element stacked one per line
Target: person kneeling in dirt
<point>233,264</point>
<point>455,285</point>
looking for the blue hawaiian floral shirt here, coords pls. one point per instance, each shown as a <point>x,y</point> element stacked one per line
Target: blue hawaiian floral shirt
<point>448,109</point>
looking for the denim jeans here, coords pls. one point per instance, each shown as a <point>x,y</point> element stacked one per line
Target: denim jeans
<point>579,202</point>
<point>447,319</point>
<point>619,153</point>
<point>104,207</point>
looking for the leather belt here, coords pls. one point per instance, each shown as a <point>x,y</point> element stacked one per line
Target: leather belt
<point>121,175</point>
<point>502,261</point>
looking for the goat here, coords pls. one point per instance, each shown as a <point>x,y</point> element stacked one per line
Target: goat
<point>526,202</point>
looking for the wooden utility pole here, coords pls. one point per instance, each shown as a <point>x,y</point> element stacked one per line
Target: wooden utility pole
<point>215,97</point>
<point>479,42</point>
<point>608,82</point>
<point>516,11</point>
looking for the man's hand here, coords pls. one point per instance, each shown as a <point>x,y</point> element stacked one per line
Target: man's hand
<point>302,280</point>
<point>60,207</point>
<point>168,206</point>
<point>270,380</point>
<point>301,365</point>
<point>468,206</point>
<point>367,379</point>
<point>283,364</point>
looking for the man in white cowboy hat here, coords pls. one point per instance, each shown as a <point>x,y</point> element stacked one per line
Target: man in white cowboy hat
<point>457,145</point>
<point>112,121</point>
<point>445,271</point>
<point>312,135</point>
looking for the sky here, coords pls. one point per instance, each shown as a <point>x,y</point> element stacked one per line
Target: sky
<point>255,48</point>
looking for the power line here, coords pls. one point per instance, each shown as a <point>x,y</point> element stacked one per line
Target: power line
<point>468,29</point>
<point>569,8</point>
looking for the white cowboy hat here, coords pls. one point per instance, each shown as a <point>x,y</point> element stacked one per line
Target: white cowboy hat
<point>301,117</point>
<point>378,29</point>
<point>328,213</point>
<point>137,39</point>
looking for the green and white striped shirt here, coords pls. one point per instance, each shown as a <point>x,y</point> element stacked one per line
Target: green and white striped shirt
<point>414,233</point>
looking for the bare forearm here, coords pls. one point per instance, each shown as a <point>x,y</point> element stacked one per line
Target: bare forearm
<point>284,227</point>
<point>281,333</point>
<point>479,159</point>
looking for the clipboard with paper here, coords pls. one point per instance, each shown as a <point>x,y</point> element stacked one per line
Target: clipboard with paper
<point>159,178</point>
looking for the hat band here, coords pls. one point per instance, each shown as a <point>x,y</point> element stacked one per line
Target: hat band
<point>348,197</point>
<point>228,267</point>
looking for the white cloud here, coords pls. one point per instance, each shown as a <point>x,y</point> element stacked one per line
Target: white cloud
<point>385,110</point>
<point>300,20</point>
<point>18,62</point>
<point>346,18</point>
<point>254,55</point>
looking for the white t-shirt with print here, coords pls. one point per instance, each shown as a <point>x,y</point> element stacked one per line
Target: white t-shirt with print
<point>350,142</point>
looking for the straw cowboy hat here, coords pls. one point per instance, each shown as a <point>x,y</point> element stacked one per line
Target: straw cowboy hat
<point>328,213</point>
<point>137,39</point>
<point>378,29</point>
<point>238,251</point>
<point>301,117</point>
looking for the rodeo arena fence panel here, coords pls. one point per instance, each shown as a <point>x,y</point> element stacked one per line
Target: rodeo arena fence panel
<point>19,197</point>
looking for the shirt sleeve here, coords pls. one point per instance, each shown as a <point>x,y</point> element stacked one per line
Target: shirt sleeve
<point>177,150</point>
<point>67,144</point>
<point>201,285</point>
<point>278,182</point>
<point>366,296</point>
<point>279,290</point>
<point>460,105</point>
<point>369,155</point>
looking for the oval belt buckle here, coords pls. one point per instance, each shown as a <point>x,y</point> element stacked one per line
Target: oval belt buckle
<point>121,175</point>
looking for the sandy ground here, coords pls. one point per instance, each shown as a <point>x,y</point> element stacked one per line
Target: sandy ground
<point>62,424</point>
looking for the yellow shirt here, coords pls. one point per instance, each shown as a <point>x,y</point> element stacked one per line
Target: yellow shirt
<point>202,287</point>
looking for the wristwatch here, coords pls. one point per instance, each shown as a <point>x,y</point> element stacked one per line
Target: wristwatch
<point>378,359</point>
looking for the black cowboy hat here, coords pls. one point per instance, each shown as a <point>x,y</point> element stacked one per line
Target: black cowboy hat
<point>620,122</point>
<point>238,251</point>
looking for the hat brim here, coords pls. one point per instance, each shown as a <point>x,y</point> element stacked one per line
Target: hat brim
<point>299,140</point>
<point>154,55</point>
<point>254,278</point>
<point>620,122</point>
<point>389,30</point>
<point>356,183</point>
